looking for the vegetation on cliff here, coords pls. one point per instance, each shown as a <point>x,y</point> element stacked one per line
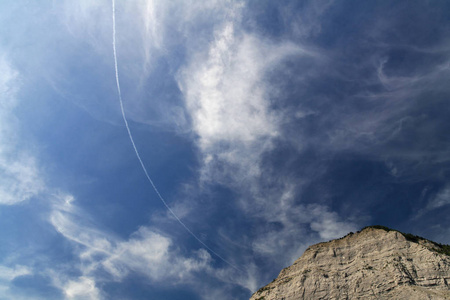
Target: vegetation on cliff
<point>440,248</point>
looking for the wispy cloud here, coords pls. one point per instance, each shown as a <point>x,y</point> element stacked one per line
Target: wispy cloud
<point>104,257</point>
<point>228,94</point>
<point>284,135</point>
<point>441,199</point>
<point>437,201</point>
<point>82,288</point>
<point>20,176</point>
<point>7,275</point>
<point>228,99</point>
<point>147,252</point>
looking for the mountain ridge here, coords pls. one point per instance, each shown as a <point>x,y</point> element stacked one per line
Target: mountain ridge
<point>376,262</point>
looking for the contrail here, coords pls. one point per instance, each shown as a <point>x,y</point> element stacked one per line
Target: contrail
<point>137,152</point>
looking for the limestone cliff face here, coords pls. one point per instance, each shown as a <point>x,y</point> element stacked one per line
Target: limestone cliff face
<point>371,264</point>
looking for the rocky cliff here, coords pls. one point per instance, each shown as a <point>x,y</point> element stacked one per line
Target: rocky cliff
<point>375,263</point>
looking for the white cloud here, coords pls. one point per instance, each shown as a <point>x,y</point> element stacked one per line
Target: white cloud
<point>21,180</point>
<point>74,287</point>
<point>140,31</point>
<point>9,274</point>
<point>441,199</point>
<point>154,256</point>
<point>20,175</point>
<point>293,220</point>
<point>87,20</point>
<point>328,224</point>
<point>394,82</point>
<point>147,33</point>
<point>306,22</point>
<point>146,252</point>
<point>9,83</point>
<point>229,100</point>
<point>224,95</point>
<point>227,97</point>
<point>83,288</point>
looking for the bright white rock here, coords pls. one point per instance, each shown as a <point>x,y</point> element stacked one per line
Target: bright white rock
<point>371,264</point>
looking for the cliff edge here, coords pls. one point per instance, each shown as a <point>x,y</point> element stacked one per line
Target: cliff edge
<point>374,263</point>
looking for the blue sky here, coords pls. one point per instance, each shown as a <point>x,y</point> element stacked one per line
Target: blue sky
<point>266,126</point>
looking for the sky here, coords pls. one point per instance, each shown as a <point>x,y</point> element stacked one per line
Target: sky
<point>263,127</point>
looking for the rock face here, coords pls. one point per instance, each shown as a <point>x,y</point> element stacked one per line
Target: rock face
<point>371,264</point>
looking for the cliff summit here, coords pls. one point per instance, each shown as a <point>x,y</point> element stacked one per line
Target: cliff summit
<point>374,263</point>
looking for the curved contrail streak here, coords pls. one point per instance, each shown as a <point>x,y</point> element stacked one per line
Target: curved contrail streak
<point>137,152</point>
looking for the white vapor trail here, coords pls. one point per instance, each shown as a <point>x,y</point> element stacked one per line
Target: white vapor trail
<point>137,152</point>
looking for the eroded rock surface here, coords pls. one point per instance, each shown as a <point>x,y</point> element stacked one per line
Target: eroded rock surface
<point>371,264</point>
